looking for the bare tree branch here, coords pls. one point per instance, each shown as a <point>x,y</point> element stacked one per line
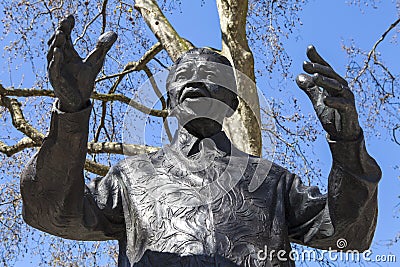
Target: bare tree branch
<point>130,102</point>
<point>25,92</point>
<point>13,201</point>
<point>96,168</point>
<point>35,138</point>
<point>93,148</point>
<point>394,130</point>
<point>373,50</point>
<point>113,147</point>
<point>162,100</point>
<point>120,148</point>
<point>86,28</point>
<point>102,122</point>
<point>134,65</point>
<point>104,16</point>
<point>244,126</point>
<point>24,143</point>
<point>18,119</point>
<point>95,95</point>
<point>162,29</point>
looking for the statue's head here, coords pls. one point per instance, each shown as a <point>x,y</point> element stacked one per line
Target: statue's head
<point>201,91</point>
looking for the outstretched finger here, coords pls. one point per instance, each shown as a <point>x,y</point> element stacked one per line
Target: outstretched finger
<point>66,25</point>
<point>332,86</point>
<point>313,55</point>
<point>60,37</point>
<point>55,66</point>
<point>62,90</point>
<point>58,41</point>
<point>97,56</point>
<point>327,71</point>
<point>306,83</point>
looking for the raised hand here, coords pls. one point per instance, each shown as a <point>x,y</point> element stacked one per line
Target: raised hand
<point>331,97</point>
<point>71,76</point>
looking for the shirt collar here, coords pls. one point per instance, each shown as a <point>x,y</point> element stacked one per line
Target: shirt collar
<point>189,144</point>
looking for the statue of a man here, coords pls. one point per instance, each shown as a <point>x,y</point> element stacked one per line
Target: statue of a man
<point>152,203</point>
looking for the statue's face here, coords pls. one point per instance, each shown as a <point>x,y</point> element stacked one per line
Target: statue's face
<point>201,93</point>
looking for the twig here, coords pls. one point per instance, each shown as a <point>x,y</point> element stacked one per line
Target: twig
<point>86,28</point>
<point>394,134</point>
<point>372,51</point>
<point>135,65</point>
<point>11,201</point>
<point>102,121</point>
<point>162,100</point>
<point>160,63</point>
<point>104,15</point>
<point>131,66</point>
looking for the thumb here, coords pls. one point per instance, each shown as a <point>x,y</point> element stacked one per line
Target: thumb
<point>97,56</point>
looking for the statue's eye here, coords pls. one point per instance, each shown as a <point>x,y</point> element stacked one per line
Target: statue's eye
<point>210,76</point>
<point>181,76</point>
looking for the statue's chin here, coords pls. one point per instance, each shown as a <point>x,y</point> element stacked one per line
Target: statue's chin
<point>203,127</point>
<point>202,117</point>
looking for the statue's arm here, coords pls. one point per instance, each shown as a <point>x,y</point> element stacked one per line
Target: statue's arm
<point>349,209</point>
<point>55,197</point>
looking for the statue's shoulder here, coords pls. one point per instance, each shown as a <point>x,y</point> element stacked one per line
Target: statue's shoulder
<point>264,163</point>
<point>256,172</point>
<point>134,164</point>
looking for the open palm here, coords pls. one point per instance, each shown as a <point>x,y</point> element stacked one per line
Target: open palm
<point>71,76</point>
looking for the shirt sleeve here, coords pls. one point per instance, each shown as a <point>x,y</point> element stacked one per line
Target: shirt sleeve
<point>347,212</point>
<point>55,197</point>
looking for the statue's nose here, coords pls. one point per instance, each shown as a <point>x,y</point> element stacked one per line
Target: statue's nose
<point>195,85</point>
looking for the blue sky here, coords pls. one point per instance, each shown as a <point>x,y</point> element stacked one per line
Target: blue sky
<point>325,24</point>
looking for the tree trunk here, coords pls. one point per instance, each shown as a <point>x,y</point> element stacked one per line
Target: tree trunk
<point>243,127</point>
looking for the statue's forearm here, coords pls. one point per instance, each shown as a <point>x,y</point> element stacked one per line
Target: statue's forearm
<point>352,157</point>
<point>352,192</point>
<point>52,185</point>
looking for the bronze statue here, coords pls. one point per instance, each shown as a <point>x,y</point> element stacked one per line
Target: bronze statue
<point>212,226</point>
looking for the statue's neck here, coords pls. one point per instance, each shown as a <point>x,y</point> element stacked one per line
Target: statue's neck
<point>189,144</point>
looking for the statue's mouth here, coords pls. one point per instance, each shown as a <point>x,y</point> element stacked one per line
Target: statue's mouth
<point>193,93</point>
